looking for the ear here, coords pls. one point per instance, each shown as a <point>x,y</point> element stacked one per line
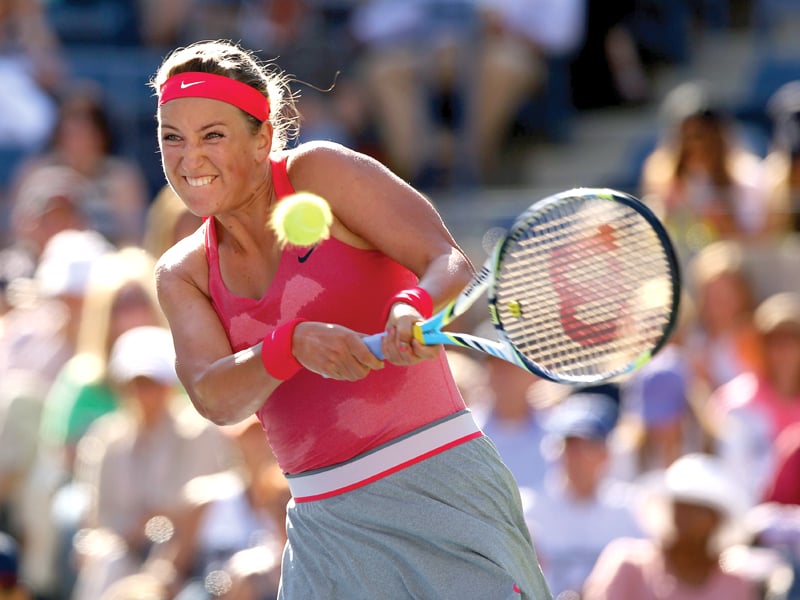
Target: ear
<point>264,141</point>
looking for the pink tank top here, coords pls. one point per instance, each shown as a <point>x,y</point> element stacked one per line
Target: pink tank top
<point>312,422</point>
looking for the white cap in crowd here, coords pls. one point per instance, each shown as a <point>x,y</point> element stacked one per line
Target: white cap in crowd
<point>145,351</point>
<point>67,260</point>
<point>698,479</point>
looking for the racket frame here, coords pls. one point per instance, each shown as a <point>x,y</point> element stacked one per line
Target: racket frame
<point>432,331</point>
<point>522,224</point>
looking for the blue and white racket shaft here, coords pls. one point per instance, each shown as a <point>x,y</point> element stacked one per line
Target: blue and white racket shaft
<point>463,340</point>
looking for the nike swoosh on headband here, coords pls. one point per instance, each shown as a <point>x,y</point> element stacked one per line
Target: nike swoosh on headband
<point>185,85</point>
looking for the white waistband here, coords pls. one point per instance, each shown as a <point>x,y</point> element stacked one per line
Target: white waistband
<point>385,460</point>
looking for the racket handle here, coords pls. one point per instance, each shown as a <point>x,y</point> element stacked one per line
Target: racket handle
<point>373,342</point>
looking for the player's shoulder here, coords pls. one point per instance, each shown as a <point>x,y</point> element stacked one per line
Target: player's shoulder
<point>184,259</point>
<point>315,165</point>
<point>322,156</point>
<point>318,148</point>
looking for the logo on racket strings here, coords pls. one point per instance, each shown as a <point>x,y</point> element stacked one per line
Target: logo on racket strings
<point>579,273</point>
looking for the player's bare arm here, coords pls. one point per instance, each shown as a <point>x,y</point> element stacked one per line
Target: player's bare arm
<point>225,387</point>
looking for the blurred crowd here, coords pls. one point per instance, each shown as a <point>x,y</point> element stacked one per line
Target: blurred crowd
<point>681,481</point>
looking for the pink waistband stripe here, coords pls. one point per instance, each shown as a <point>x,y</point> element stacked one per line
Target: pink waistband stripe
<point>384,461</point>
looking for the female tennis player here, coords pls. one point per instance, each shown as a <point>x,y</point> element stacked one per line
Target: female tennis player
<point>396,492</point>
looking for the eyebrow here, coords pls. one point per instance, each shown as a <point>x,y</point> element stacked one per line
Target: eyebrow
<point>203,128</point>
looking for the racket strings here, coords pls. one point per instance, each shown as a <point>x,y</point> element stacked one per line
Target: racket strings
<point>583,289</point>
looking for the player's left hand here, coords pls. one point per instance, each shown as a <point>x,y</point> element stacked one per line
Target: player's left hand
<point>399,346</point>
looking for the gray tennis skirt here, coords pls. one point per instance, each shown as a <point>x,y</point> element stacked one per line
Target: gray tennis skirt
<point>449,526</point>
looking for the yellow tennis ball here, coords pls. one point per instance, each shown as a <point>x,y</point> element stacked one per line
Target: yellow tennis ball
<point>302,219</point>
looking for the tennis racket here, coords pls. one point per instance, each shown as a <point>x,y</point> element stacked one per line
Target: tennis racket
<point>584,287</point>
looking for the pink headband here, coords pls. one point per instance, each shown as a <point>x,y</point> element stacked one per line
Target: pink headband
<point>215,87</point>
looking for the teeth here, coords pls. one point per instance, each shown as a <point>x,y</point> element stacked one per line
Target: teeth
<point>198,181</point>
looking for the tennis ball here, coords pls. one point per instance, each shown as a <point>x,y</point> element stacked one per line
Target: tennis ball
<point>302,219</point>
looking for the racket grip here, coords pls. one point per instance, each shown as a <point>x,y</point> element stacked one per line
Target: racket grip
<point>373,342</point>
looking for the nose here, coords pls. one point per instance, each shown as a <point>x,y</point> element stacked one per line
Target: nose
<point>192,155</point>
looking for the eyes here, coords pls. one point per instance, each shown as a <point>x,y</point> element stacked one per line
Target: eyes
<point>209,136</point>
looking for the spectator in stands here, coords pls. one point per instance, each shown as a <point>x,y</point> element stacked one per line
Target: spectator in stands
<point>701,178</point>
<point>516,44</point>
<point>315,43</point>
<point>316,46</point>
<point>50,201</point>
<point>579,509</point>
<point>692,515</point>
<point>608,69</point>
<point>755,408</point>
<point>784,486</point>
<point>40,333</point>
<point>168,221</point>
<point>659,403</point>
<point>408,59</point>
<point>506,412</point>
<point>469,372</point>
<point>723,341</point>
<point>32,70</point>
<point>225,513</point>
<point>21,398</point>
<point>775,529</point>
<point>782,163</point>
<point>48,204</point>
<point>38,336</point>
<point>477,61</point>
<point>82,140</point>
<point>119,294</point>
<point>27,37</point>
<point>132,487</point>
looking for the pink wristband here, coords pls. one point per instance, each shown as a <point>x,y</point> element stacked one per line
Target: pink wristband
<point>276,351</point>
<point>417,297</point>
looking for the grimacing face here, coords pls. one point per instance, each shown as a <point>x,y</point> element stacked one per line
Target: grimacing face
<point>209,153</point>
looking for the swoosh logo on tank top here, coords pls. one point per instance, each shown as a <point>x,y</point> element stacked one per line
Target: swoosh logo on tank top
<point>304,257</point>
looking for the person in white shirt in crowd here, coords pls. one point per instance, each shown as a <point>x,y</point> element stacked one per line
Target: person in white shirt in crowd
<point>39,333</point>
<point>752,410</point>
<point>505,409</point>
<point>580,508</point>
<point>134,462</point>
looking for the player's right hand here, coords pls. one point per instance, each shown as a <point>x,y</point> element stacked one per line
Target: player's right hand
<point>333,351</point>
